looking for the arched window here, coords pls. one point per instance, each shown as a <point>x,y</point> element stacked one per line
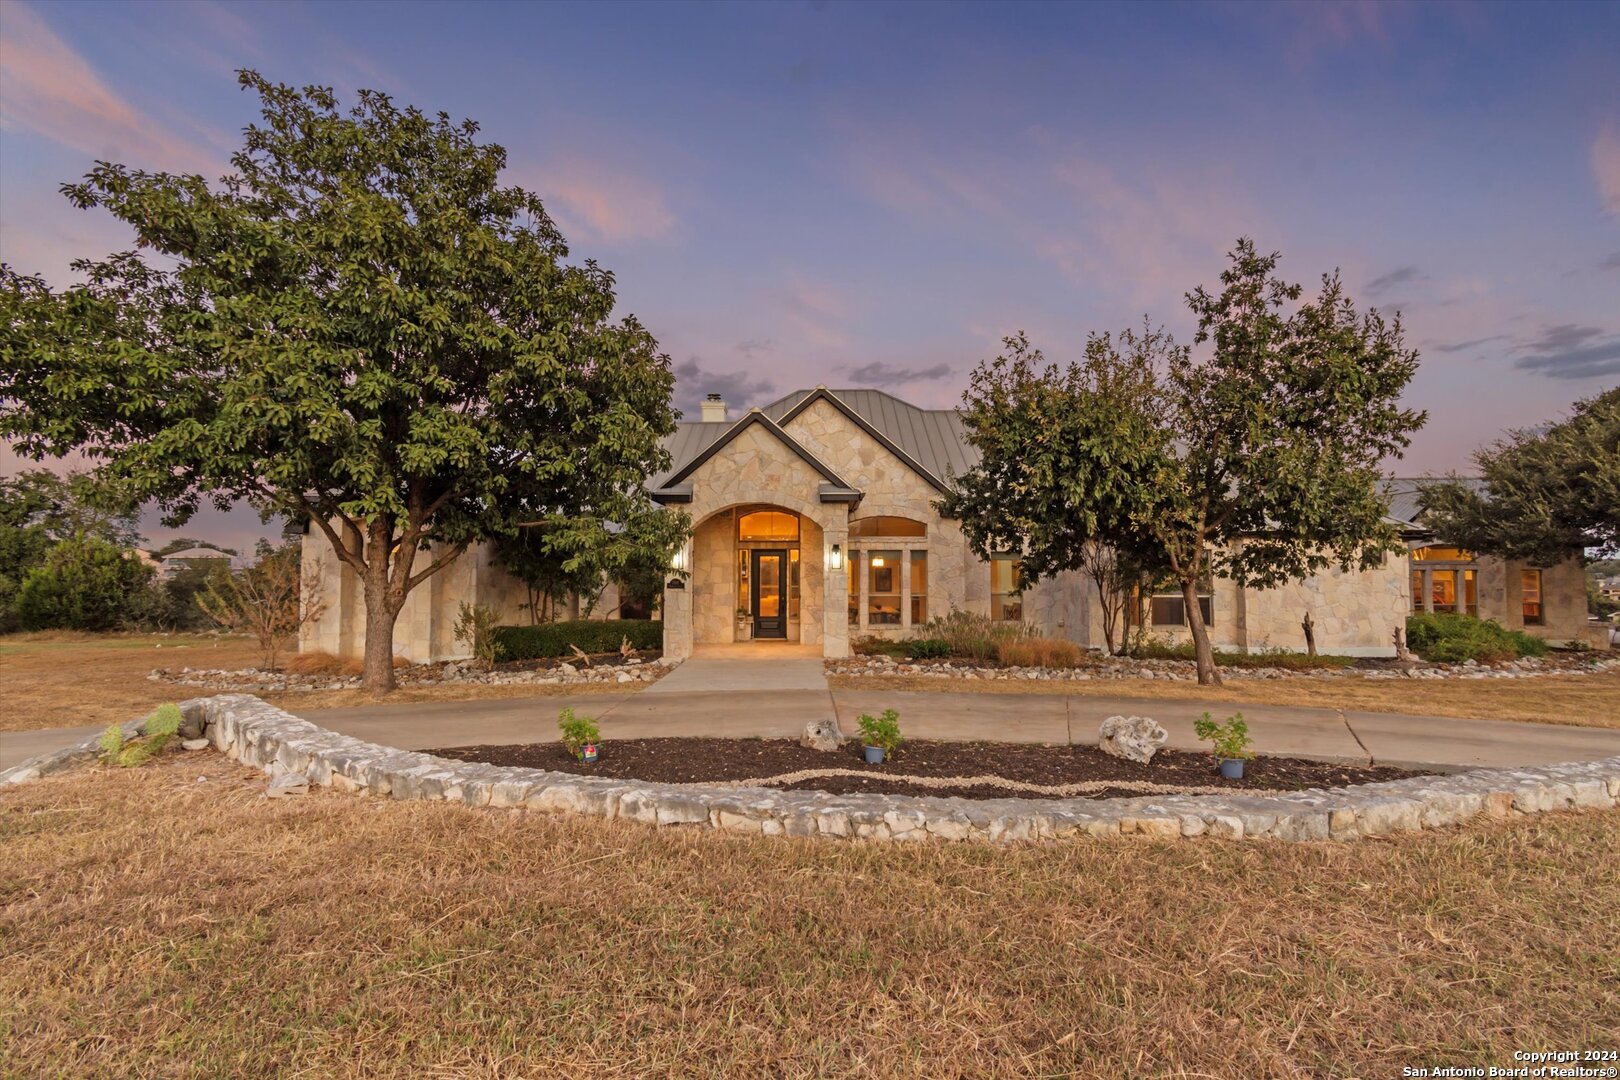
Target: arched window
<point>768,525</point>
<point>887,526</point>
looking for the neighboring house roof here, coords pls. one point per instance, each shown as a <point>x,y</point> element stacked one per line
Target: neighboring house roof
<point>933,442</point>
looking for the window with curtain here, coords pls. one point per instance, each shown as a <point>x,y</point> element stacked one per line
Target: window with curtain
<point>1530,592</point>
<point>854,588</point>
<point>883,588</point>
<point>919,587</point>
<point>1006,603</point>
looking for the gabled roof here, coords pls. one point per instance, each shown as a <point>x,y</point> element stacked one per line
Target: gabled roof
<point>673,487</point>
<point>1403,492</point>
<point>932,442</point>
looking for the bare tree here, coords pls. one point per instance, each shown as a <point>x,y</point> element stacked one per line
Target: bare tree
<point>1116,580</point>
<point>273,599</point>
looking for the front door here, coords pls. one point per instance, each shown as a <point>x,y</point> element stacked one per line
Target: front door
<point>770,602</point>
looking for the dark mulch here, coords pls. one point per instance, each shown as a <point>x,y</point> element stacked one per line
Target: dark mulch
<point>695,760</point>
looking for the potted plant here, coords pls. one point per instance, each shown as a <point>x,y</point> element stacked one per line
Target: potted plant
<point>1229,743</point>
<point>880,737</point>
<point>580,736</point>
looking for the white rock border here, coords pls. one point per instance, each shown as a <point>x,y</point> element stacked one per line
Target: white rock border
<point>255,733</point>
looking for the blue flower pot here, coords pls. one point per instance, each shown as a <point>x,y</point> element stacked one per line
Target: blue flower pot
<point>874,755</point>
<point>1232,768</point>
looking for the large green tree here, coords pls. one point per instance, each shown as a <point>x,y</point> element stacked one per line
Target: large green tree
<point>1544,493</point>
<point>1258,461</point>
<point>40,509</point>
<point>360,325</point>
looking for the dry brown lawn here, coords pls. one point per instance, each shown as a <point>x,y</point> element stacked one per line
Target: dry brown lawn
<point>172,922</point>
<point>63,679</point>
<point>1583,700</point>
<point>66,679</point>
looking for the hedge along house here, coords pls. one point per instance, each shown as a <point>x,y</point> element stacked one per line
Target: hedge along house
<point>814,524</point>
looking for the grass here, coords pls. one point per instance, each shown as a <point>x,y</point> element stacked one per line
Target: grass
<point>1580,700</point>
<point>65,679</point>
<point>158,923</point>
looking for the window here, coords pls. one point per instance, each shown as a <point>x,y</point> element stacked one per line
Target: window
<point>1435,553</point>
<point>1417,592</point>
<point>1530,590</point>
<point>1006,605</point>
<point>854,588</point>
<point>1443,590</point>
<point>887,526</point>
<point>919,587</point>
<point>793,584</point>
<point>883,588</point>
<point>768,525</point>
<point>1172,610</point>
<point>1470,593</point>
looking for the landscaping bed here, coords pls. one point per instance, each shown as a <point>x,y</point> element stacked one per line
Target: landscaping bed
<point>1027,768</point>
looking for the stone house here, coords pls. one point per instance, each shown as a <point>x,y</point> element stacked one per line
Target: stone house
<point>1546,601</point>
<point>814,523</point>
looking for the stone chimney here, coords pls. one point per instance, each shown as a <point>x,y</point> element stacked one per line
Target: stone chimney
<point>714,409</point>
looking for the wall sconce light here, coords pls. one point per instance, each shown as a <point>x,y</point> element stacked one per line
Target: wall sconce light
<point>836,559</point>
<point>679,562</point>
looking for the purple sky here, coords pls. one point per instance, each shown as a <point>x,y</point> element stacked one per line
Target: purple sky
<point>861,194</point>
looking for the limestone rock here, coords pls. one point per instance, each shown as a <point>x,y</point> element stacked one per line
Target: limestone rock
<point>194,744</point>
<point>822,735</point>
<point>288,784</point>
<point>1134,738</point>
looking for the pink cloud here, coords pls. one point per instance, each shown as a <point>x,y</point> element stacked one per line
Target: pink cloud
<point>605,203</point>
<point>48,89</point>
<point>1606,168</point>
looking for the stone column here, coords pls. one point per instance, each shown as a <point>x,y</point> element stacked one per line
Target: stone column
<point>835,591</point>
<point>677,619</point>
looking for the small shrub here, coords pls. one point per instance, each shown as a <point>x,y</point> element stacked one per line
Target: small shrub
<point>929,649</point>
<point>1452,639</point>
<point>590,635</point>
<point>1270,658</point>
<point>882,731</point>
<point>872,645</point>
<point>577,731</point>
<point>475,628</point>
<point>156,733</point>
<point>972,636</point>
<point>1039,652</point>
<point>1229,741</point>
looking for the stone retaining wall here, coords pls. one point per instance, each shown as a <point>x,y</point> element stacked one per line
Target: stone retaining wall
<point>255,733</point>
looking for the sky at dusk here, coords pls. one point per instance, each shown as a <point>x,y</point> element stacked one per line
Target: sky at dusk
<point>873,195</point>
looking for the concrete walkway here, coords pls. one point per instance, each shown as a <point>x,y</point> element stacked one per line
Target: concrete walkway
<point>1426,741</point>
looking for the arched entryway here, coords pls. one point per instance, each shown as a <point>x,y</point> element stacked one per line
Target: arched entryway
<point>757,575</point>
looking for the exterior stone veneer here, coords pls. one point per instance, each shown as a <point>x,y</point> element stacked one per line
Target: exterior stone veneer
<point>255,733</point>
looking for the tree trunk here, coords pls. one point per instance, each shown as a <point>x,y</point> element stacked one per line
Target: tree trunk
<point>381,615</point>
<point>1309,626</point>
<point>1208,675</point>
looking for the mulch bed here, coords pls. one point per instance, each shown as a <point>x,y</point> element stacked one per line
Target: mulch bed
<point>695,760</point>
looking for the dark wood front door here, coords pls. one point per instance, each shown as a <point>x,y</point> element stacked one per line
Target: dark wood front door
<point>770,594</point>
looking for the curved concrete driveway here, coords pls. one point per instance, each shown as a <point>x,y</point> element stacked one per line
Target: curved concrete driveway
<point>1426,741</point>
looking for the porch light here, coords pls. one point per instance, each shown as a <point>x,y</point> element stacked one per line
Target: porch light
<point>877,560</point>
<point>679,562</point>
<point>836,559</point>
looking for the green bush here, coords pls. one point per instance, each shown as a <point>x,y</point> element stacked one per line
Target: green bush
<point>1452,639</point>
<point>1229,741</point>
<point>929,648</point>
<point>84,584</point>
<point>590,635</point>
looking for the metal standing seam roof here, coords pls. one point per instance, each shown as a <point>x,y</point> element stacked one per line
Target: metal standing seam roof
<point>935,438</point>
<point>1403,492</point>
